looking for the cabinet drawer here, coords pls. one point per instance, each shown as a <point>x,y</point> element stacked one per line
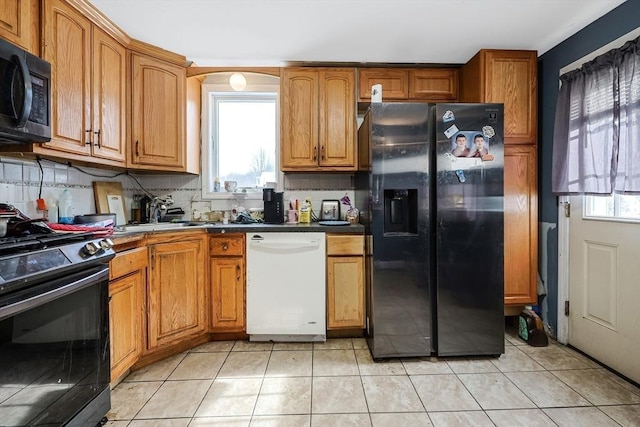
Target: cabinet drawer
<point>127,261</point>
<point>227,245</point>
<point>345,245</point>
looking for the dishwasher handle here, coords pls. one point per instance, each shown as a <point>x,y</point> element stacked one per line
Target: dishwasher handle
<point>259,242</point>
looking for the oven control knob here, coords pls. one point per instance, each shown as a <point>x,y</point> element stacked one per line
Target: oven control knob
<point>106,243</point>
<point>91,248</point>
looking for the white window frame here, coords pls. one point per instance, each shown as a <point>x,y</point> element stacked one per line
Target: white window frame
<point>588,201</point>
<point>209,160</point>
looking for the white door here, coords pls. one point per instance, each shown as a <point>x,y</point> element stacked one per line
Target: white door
<point>604,282</point>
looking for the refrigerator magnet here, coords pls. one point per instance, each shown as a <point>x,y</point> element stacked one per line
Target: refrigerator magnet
<point>488,131</point>
<point>448,116</point>
<point>451,131</point>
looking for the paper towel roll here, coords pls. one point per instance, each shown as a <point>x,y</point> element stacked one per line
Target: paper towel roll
<point>376,93</point>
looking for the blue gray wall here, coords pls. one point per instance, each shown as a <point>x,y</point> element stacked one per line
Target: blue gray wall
<point>615,24</point>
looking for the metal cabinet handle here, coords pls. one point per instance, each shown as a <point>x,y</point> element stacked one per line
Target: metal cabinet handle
<point>88,131</point>
<point>315,153</point>
<point>238,272</point>
<point>323,156</point>
<point>137,151</point>
<point>225,246</point>
<point>97,134</point>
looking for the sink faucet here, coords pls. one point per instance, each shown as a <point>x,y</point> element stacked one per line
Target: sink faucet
<point>157,206</point>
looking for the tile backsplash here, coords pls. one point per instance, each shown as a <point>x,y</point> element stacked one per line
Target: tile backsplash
<point>21,182</point>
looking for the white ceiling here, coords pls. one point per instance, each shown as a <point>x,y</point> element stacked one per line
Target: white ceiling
<point>276,32</point>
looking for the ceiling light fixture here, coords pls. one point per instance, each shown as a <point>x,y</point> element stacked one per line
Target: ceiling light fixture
<point>237,81</point>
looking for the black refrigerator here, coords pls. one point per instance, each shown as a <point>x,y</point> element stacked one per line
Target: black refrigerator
<point>430,192</point>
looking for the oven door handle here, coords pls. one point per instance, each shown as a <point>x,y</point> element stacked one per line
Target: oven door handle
<point>53,294</point>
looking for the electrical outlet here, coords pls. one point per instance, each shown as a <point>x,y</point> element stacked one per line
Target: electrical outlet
<point>7,193</point>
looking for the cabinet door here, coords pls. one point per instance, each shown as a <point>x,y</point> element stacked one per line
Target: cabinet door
<point>395,83</point>
<point>520,225</point>
<point>176,305</point>
<point>227,294</point>
<point>345,292</point>
<point>337,118</point>
<point>433,84</point>
<point>158,113</point>
<point>67,46</point>
<point>16,18</point>
<point>125,331</point>
<point>299,119</point>
<point>512,79</point>
<point>109,97</point>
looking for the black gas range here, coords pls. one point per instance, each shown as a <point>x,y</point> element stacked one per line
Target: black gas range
<point>30,259</point>
<point>54,328</point>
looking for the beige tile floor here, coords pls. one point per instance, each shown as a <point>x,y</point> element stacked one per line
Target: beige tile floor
<point>337,383</point>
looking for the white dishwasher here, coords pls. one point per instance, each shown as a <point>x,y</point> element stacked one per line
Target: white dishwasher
<point>286,286</point>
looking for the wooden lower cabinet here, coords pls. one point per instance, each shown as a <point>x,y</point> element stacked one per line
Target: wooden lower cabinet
<point>520,225</point>
<point>176,301</point>
<point>227,267</point>
<point>227,294</point>
<point>128,279</point>
<point>345,282</point>
<point>125,317</point>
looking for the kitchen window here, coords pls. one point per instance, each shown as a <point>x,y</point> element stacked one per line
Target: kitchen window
<point>615,207</point>
<point>240,134</point>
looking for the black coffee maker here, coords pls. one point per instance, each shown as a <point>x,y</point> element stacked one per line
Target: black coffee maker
<point>273,206</point>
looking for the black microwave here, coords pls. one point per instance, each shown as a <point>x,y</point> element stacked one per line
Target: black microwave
<point>25,96</point>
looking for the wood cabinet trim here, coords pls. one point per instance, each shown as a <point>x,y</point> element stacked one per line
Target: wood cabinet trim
<point>157,53</point>
<point>100,19</point>
<point>195,71</point>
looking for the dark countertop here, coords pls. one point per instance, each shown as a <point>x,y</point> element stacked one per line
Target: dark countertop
<point>296,228</point>
<point>241,228</point>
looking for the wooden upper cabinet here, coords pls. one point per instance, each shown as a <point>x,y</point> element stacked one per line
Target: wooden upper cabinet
<point>317,119</point>
<point>395,83</point>
<point>157,114</point>
<point>67,46</point>
<point>337,118</point>
<point>299,118</point>
<point>433,84</point>
<point>509,77</point>
<point>88,70</point>
<point>19,23</point>
<point>410,84</point>
<point>520,225</point>
<point>109,107</point>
